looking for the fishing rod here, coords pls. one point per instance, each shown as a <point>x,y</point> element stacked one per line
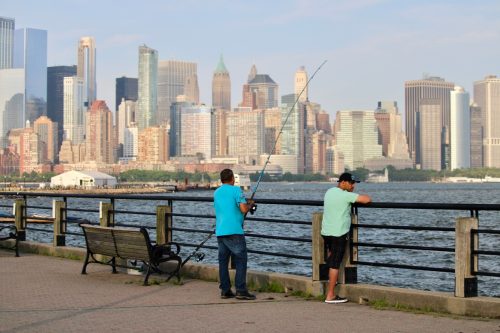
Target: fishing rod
<point>199,255</point>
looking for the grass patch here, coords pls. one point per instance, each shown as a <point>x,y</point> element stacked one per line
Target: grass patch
<point>273,287</point>
<point>307,296</point>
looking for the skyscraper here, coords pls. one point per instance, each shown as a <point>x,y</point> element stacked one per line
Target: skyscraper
<point>197,132</point>
<point>476,136</point>
<point>30,53</point>
<point>261,92</point>
<point>126,88</point>
<point>301,84</point>
<point>153,145</point>
<point>11,101</point>
<point>292,138</point>
<point>172,78</point>
<point>147,102</point>
<point>247,127</point>
<point>487,97</point>
<point>7,26</point>
<point>460,126</point>
<point>86,69</point>
<point>99,140</point>
<point>415,92</point>
<point>191,89</point>
<point>221,87</point>
<point>55,96</point>
<point>74,110</point>
<point>47,134</point>
<point>431,134</point>
<point>356,137</point>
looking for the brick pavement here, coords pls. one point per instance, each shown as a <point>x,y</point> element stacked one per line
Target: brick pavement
<point>48,294</point>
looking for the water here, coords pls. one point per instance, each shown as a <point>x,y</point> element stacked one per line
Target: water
<point>387,192</point>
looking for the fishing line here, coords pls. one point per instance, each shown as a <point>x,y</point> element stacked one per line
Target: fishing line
<point>198,255</point>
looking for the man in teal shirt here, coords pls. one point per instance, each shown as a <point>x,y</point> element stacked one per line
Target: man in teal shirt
<point>335,227</point>
<point>230,209</point>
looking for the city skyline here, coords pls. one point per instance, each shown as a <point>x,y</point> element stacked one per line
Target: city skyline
<point>372,46</point>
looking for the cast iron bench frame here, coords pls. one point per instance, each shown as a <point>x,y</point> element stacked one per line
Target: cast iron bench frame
<point>129,244</point>
<point>11,235</point>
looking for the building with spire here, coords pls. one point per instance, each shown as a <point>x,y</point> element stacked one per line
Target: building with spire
<point>261,92</point>
<point>301,84</point>
<point>221,87</point>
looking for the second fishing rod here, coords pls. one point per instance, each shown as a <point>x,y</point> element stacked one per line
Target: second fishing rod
<point>198,255</point>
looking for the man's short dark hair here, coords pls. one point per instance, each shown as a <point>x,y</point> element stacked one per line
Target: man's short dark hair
<point>226,175</point>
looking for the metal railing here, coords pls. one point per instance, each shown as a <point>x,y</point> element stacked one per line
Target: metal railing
<point>113,216</point>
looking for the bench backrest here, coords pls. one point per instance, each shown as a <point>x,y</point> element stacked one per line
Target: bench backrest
<point>123,243</point>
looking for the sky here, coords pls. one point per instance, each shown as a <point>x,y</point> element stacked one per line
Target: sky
<point>371,46</point>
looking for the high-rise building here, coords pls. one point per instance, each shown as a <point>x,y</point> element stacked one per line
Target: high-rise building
<point>86,69</point>
<point>248,128</point>
<point>30,53</point>
<point>391,135</point>
<point>221,87</point>
<point>11,101</point>
<point>221,132</point>
<point>272,124</point>
<point>147,102</point>
<point>431,134</point>
<point>74,110</point>
<point>131,143</point>
<point>125,118</point>
<point>126,88</point>
<point>153,145</point>
<point>47,134</point>
<point>172,78</point>
<point>356,137</point>
<point>292,137</point>
<point>175,126</point>
<point>323,122</point>
<point>261,92</point>
<point>460,126</point>
<point>55,96</point>
<point>476,136</point>
<point>415,91</point>
<point>191,89</point>
<point>7,26</point>
<point>197,136</point>
<point>300,87</point>
<point>99,139</point>
<point>487,97</point>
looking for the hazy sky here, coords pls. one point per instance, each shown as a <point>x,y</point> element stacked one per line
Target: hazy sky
<point>372,46</point>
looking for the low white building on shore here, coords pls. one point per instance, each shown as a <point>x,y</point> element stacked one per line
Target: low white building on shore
<point>83,179</point>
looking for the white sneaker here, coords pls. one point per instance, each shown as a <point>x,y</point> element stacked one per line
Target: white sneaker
<point>336,300</point>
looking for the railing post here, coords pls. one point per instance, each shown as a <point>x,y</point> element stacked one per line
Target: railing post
<point>19,218</point>
<point>106,217</point>
<point>465,262</point>
<point>163,224</point>
<point>59,223</point>
<point>348,270</point>
<point>318,249</point>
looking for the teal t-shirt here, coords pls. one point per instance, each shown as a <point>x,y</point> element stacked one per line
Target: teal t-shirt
<point>337,212</point>
<point>228,217</point>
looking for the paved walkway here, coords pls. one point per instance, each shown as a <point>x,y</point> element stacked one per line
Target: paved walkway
<point>47,294</point>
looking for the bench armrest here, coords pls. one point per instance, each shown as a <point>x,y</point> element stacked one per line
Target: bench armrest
<point>166,249</point>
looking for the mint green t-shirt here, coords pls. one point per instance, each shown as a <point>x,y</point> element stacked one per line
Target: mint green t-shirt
<point>337,212</point>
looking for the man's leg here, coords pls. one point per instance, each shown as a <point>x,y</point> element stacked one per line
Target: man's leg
<point>237,246</point>
<point>333,275</point>
<point>224,254</point>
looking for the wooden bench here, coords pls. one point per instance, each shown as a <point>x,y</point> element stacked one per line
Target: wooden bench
<point>10,232</point>
<point>129,244</point>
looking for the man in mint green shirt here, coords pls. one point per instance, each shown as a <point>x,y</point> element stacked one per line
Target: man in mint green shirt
<point>335,227</point>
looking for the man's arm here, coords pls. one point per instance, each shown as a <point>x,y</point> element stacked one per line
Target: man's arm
<point>363,198</point>
<point>245,207</point>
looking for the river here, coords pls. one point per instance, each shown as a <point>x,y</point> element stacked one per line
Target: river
<point>480,193</point>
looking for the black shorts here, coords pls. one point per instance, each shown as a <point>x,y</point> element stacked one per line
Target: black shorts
<point>336,248</point>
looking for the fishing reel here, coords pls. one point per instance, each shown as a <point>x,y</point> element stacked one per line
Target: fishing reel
<point>253,209</point>
<point>198,256</point>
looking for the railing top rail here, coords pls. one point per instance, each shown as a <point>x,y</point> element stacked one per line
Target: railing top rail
<point>314,203</point>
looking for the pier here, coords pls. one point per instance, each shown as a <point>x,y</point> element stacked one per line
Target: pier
<point>464,299</point>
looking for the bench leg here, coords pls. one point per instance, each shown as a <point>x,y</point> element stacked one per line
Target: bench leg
<point>84,269</point>
<point>113,264</point>
<point>177,271</point>
<point>148,273</point>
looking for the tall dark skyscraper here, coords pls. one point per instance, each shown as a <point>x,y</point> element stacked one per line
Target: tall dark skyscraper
<point>126,87</point>
<point>55,95</point>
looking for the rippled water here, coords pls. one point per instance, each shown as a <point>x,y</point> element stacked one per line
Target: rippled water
<point>389,192</point>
